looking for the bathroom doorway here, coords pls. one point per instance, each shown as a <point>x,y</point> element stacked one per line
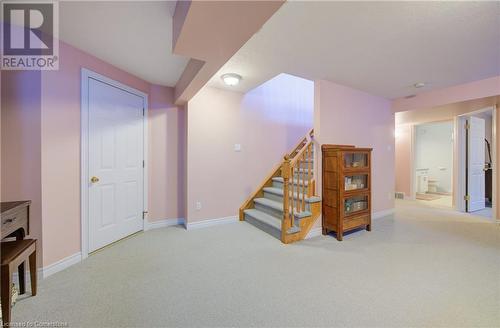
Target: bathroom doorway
<point>433,163</point>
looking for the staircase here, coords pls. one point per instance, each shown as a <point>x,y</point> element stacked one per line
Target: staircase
<point>286,218</point>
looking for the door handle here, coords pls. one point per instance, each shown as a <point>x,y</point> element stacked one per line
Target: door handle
<point>94,179</point>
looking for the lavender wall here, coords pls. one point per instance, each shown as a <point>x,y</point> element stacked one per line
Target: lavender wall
<point>21,144</point>
<point>351,117</point>
<point>267,121</point>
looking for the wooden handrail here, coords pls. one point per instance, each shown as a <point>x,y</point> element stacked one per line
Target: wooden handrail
<point>300,145</point>
<point>301,152</point>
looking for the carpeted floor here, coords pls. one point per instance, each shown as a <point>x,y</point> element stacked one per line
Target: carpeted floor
<point>427,197</point>
<point>422,267</point>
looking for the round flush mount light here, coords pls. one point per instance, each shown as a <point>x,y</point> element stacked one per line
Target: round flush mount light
<point>231,79</point>
<point>419,85</point>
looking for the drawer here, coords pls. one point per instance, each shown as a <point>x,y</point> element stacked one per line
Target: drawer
<point>357,221</point>
<point>14,221</point>
<point>330,180</point>
<point>330,197</point>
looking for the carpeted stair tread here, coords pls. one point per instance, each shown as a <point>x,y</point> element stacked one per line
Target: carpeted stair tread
<point>269,203</point>
<point>279,192</point>
<point>295,181</point>
<point>278,206</point>
<point>264,218</point>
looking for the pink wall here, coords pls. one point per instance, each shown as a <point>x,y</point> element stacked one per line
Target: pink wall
<point>403,158</point>
<point>347,116</point>
<point>166,155</point>
<point>473,90</point>
<point>200,32</point>
<point>443,113</point>
<point>58,127</point>
<point>266,121</point>
<point>21,145</point>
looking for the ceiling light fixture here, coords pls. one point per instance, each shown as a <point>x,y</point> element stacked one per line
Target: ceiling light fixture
<point>419,85</point>
<point>231,79</point>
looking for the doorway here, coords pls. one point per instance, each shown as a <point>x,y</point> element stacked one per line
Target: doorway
<point>433,163</point>
<point>113,161</point>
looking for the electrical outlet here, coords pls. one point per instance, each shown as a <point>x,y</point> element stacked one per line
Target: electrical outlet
<point>198,206</point>
<point>390,195</point>
<point>237,147</point>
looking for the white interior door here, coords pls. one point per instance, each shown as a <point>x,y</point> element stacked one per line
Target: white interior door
<point>475,164</point>
<point>115,163</point>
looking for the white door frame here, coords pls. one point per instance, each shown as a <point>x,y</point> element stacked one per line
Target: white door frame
<point>459,178</point>
<point>87,74</point>
<point>460,158</point>
<point>413,193</point>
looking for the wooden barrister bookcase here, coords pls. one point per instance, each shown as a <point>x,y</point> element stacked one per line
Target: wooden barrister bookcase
<point>346,189</point>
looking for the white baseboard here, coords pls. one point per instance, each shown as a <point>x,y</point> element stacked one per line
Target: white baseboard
<point>381,214</point>
<point>52,268</point>
<point>162,223</point>
<point>314,232</point>
<point>77,257</point>
<point>62,264</point>
<point>211,222</point>
<point>15,277</point>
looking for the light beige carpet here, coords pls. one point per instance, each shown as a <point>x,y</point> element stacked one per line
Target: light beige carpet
<point>427,196</point>
<point>422,268</point>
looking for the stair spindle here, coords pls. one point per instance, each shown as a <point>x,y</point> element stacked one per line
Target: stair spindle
<point>309,156</point>
<point>292,200</point>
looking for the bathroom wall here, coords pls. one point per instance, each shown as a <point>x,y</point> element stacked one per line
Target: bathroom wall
<point>434,150</point>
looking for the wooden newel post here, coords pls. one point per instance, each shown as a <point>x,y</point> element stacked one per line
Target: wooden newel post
<point>285,173</point>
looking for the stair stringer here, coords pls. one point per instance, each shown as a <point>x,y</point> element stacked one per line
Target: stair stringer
<point>305,225</point>
<point>268,182</point>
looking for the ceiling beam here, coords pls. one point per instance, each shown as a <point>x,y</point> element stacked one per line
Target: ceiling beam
<point>211,32</point>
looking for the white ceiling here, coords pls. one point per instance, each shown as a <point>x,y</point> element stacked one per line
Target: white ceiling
<point>135,36</point>
<point>381,48</point>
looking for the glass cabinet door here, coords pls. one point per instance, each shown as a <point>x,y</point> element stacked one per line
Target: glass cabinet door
<point>355,160</point>
<point>355,182</point>
<point>355,204</point>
